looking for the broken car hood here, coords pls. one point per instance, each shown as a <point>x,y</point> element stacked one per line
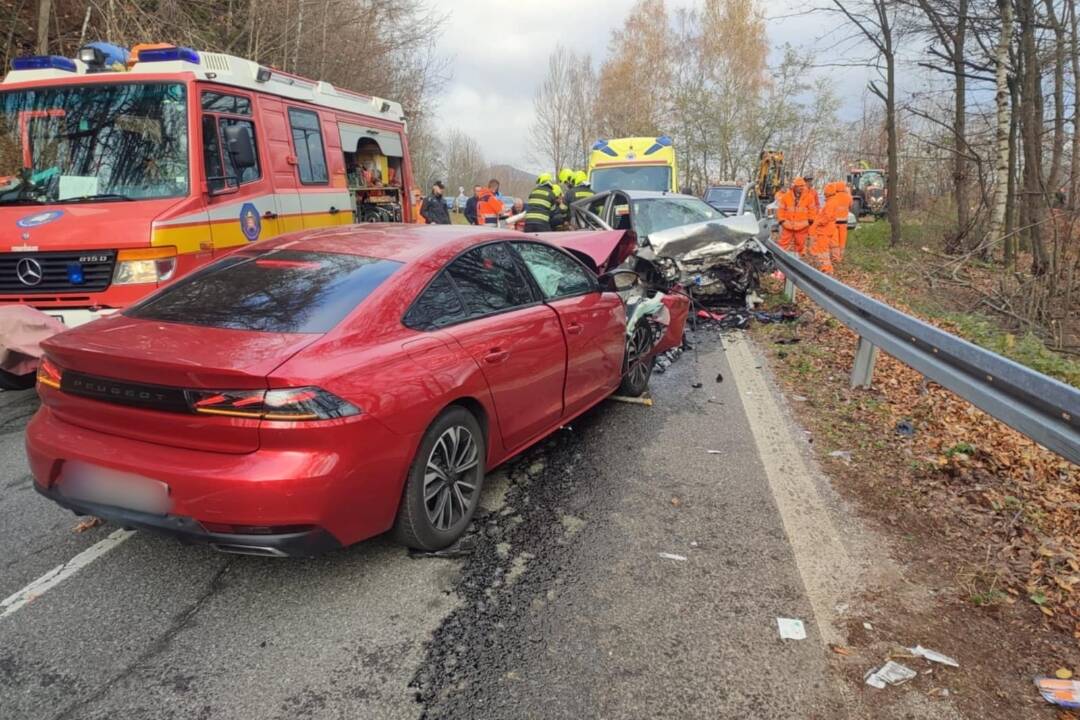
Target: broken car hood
<point>709,239</point>
<point>606,248</point>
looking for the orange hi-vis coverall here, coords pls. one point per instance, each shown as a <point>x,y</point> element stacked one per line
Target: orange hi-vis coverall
<point>823,235</point>
<point>842,210</point>
<point>795,216</point>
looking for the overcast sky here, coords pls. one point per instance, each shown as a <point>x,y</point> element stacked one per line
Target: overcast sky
<point>498,51</point>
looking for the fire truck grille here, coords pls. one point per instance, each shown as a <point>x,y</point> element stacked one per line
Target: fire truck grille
<point>60,272</point>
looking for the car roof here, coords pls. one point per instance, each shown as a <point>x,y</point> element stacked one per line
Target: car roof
<point>388,241</point>
<point>649,194</point>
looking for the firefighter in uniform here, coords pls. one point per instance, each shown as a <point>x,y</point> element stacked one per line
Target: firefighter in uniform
<point>581,188</point>
<point>541,204</point>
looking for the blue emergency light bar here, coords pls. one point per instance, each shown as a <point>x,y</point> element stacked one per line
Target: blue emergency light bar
<point>43,62</point>
<point>602,146</point>
<point>169,54</point>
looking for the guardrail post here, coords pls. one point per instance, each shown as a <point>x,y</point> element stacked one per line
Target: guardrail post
<point>865,357</point>
<point>790,289</point>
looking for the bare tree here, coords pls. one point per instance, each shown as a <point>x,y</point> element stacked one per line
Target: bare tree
<point>1001,134</point>
<point>44,12</point>
<point>554,108</point>
<point>463,161</point>
<point>877,21</point>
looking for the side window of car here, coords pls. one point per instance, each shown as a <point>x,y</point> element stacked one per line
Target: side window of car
<point>489,281</point>
<point>555,273</point>
<point>307,140</point>
<point>437,306</point>
<point>753,204</point>
<point>596,207</point>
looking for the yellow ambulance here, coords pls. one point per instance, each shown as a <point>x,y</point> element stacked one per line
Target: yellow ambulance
<point>637,163</point>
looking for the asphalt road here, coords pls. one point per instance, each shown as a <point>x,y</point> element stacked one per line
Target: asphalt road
<point>564,608</point>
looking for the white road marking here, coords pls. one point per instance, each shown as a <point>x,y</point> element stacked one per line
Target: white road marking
<point>60,573</point>
<point>827,570</point>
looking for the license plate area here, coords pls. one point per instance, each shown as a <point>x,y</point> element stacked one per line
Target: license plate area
<point>104,486</point>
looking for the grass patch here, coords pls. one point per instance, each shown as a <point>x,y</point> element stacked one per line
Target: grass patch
<point>868,250</point>
<point>1025,349</point>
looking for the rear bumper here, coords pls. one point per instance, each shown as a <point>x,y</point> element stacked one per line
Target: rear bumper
<point>343,481</point>
<point>189,531</point>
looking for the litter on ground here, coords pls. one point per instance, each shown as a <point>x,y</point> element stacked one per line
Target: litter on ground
<point>791,629</point>
<point>933,656</point>
<point>1065,693</point>
<point>891,673</point>
<point>672,556</point>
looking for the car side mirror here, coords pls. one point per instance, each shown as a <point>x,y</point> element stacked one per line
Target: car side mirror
<point>619,280</point>
<point>240,146</point>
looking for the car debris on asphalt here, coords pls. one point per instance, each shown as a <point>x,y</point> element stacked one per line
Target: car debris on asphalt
<point>672,556</point>
<point>647,401</point>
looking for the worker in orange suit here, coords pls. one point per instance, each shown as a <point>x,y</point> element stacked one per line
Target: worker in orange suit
<point>823,239</point>
<point>489,205</point>
<point>843,207</point>
<point>795,210</point>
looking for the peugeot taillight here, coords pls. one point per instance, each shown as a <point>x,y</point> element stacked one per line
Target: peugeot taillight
<point>283,404</point>
<point>49,373</point>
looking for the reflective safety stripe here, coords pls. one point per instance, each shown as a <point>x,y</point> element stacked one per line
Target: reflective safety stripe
<point>539,201</point>
<point>542,217</point>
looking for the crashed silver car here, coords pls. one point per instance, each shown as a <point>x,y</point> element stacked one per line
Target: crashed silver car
<point>682,240</point>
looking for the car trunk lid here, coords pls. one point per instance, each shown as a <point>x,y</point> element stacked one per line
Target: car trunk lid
<point>127,377</point>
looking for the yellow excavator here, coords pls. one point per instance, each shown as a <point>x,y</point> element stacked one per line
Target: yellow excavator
<point>770,176</point>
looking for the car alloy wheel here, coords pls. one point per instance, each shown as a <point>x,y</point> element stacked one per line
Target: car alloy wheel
<point>451,477</point>
<point>639,361</point>
<point>638,366</point>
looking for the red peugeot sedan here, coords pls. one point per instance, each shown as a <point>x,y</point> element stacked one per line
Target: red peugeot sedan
<point>314,390</point>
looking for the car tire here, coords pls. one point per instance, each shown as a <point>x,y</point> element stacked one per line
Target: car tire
<point>857,209</point>
<point>11,381</point>
<point>639,363</point>
<point>437,503</point>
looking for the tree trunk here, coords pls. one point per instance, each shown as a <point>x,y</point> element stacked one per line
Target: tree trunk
<point>1011,240</point>
<point>1057,152</point>
<point>892,181</point>
<point>961,185</point>
<point>44,11</point>
<point>1031,132</point>
<point>1074,167</point>
<point>1001,135</point>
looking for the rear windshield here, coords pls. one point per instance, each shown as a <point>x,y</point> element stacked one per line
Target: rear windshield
<point>285,291</point>
<point>725,197</point>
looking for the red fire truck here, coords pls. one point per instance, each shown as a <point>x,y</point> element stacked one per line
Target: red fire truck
<point>120,174</point>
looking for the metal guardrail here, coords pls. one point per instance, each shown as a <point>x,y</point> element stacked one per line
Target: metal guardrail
<point>1042,408</point>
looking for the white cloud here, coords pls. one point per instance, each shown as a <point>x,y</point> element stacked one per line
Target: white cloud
<point>498,53</point>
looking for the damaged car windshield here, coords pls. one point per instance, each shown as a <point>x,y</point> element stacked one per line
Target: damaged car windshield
<point>656,214</point>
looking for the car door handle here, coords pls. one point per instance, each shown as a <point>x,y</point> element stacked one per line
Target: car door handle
<point>496,356</point>
<point>269,215</point>
<point>574,328</point>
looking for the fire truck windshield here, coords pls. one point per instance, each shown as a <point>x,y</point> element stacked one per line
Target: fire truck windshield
<point>78,143</point>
